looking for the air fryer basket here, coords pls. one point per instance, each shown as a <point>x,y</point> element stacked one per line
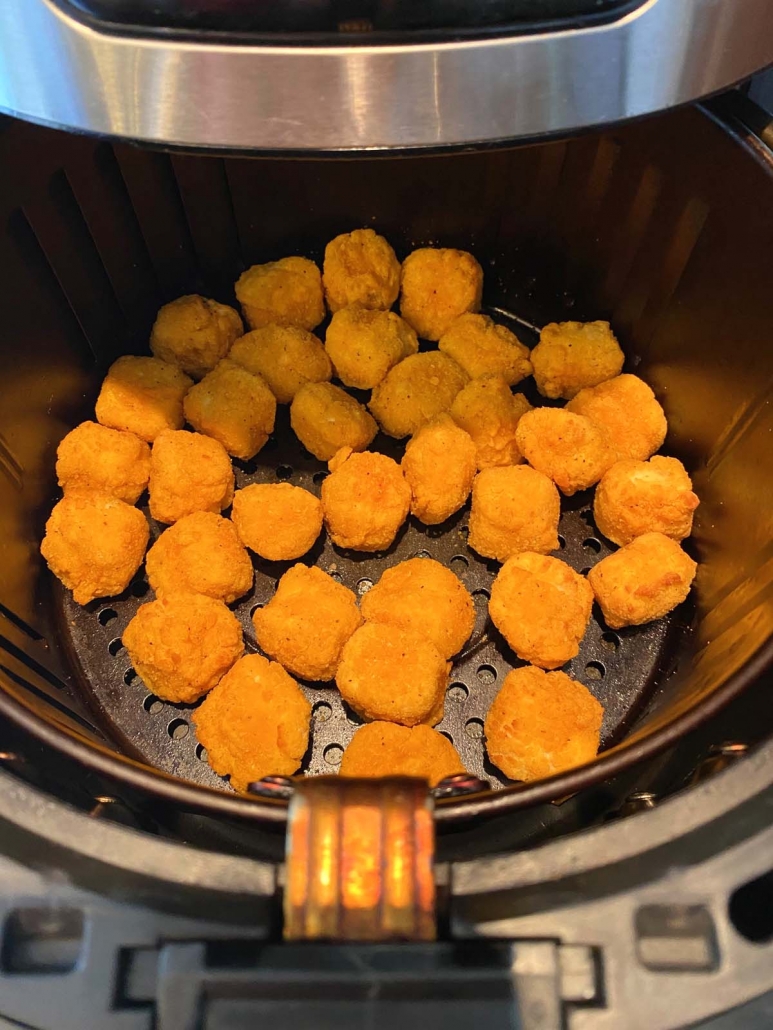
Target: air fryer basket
<point>664,227</point>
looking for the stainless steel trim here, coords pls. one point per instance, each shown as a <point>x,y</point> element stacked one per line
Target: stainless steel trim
<point>59,71</point>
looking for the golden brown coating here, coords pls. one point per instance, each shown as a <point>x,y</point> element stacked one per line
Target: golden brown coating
<point>234,407</point>
<point>415,391</point>
<point>325,419</point>
<point>194,333</point>
<point>108,461</point>
<point>360,267</point>
<point>438,285</point>
<point>541,607</point>
<point>542,723</point>
<point>573,355</point>
<point>182,645</point>
<point>637,497</point>
<point>365,500</point>
<point>386,749</point>
<point>482,348</point>
<point>255,723</point>
<point>439,465</point>
<point>571,449</point>
<point>278,521</point>
<point>143,396</point>
<point>287,357</point>
<point>94,544</point>
<point>424,596</point>
<point>188,472</point>
<point>307,622</point>
<point>200,554</point>
<point>284,292</point>
<point>393,674</point>
<point>363,345</point>
<point>514,509</point>
<point>642,581</point>
<point>490,412</point>
<point>626,407</point>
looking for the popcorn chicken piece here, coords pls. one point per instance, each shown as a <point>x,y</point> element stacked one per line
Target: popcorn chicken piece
<point>278,521</point>
<point>439,465</point>
<point>101,460</point>
<point>325,419</point>
<point>573,355</point>
<point>385,749</point>
<point>514,509</point>
<point>626,407</point>
<point>188,472</point>
<point>363,345</point>
<point>637,497</point>
<point>571,449</point>
<point>284,292</point>
<point>143,396</point>
<point>488,410</point>
<point>194,333</point>
<point>285,356</point>
<point>365,500</point>
<point>482,348</point>
<point>360,267</point>
<point>437,285</point>
<point>415,391</point>
<point>234,407</point>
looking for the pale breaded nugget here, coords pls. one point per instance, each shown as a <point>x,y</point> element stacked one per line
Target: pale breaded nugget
<point>626,407</point>
<point>490,412</point>
<point>482,348</point>
<point>307,622</point>
<point>439,465</point>
<point>541,607</point>
<point>363,345</point>
<point>325,419</point>
<point>143,396</point>
<point>182,645</point>
<point>573,355</point>
<point>642,581</point>
<point>422,595</point>
<point>637,497</point>
<point>234,407</point>
<point>188,472</point>
<point>108,461</point>
<point>200,554</point>
<point>514,509</point>
<point>278,521</point>
<point>360,267</point>
<point>287,357</point>
<point>393,674</point>
<point>365,500</point>
<point>415,391</point>
<point>437,285</point>
<point>94,544</point>
<point>387,749</point>
<point>571,449</point>
<point>255,723</point>
<point>542,723</point>
<point>194,333</point>
<point>284,292</point>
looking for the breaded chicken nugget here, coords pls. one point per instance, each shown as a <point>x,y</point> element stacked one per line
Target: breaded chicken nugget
<point>188,472</point>
<point>107,461</point>
<point>255,723</point>
<point>637,497</point>
<point>514,509</point>
<point>183,645</point>
<point>143,396</point>
<point>424,596</point>
<point>573,355</point>
<point>542,723</point>
<point>393,674</point>
<point>365,500</point>
<point>360,267</point>
<point>278,521</point>
<point>234,407</point>
<point>415,391</point>
<point>284,292</point>
<point>642,581</point>
<point>94,544</point>
<point>386,749</point>
<point>571,449</point>
<point>439,465</point>
<point>287,357</point>
<point>307,622</point>
<point>482,348</point>
<point>194,333</point>
<point>363,345</point>
<point>541,607</point>
<point>437,285</point>
<point>200,554</point>
<point>626,407</point>
<point>488,410</point>
<point>325,419</point>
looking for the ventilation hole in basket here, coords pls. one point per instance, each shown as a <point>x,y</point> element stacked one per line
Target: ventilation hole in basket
<point>129,677</point>
<point>321,711</point>
<point>592,545</point>
<point>364,585</point>
<point>585,571</point>
<point>448,736</point>
<point>107,615</point>
<point>594,671</point>
<point>335,574</point>
<point>481,597</point>
<point>610,641</point>
<point>459,564</point>
<point>319,477</point>
<point>177,729</point>
<point>151,703</point>
<point>474,729</point>
<point>249,468</point>
<point>333,754</point>
<point>458,692</point>
<point>201,752</point>
<point>257,607</point>
<point>487,674</point>
<point>115,646</point>
<point>561,542</point>
<point>751,909</point>
<point>139,588</point>
<point>284,472</point>
<point>422,554</point>
<point>351,715</point>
